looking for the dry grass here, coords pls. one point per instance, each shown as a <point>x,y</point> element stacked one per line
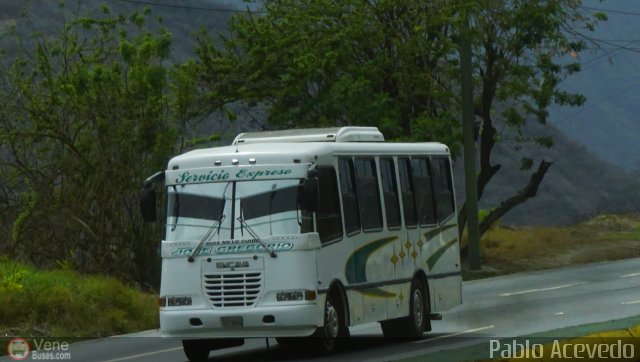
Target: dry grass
<point>606,237</point>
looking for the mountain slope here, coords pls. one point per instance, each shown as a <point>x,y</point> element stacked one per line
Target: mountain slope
<point>608,124</point>
<point>577,186</point>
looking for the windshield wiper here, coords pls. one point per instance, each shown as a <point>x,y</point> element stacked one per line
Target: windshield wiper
<point>209,234</point>
<point>215,226</point>
<point>243,223</point>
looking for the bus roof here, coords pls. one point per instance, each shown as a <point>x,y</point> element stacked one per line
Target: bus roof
<point>297,152</point>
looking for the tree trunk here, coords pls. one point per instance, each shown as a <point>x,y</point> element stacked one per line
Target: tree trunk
<point>505,206</point>
<point>525,193</point>
<point>483,180</point>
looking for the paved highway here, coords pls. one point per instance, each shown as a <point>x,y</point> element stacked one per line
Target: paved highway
<point>507,306</point>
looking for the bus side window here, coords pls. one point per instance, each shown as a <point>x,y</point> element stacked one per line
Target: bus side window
<point>406,188</point>
<point>390,192</point>
<point>424,193</point>
<point>368,194</point>
<point>443,187</point>
<point>328,216</point>
<point>349,196</point>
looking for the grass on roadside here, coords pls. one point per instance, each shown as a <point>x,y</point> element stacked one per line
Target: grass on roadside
<point>603,238</point>
<point>63,303</point>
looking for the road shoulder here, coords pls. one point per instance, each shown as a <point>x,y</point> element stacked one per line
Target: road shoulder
<point>627,329</point>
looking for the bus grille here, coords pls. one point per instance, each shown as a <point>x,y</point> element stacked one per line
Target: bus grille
<point>233,289</point>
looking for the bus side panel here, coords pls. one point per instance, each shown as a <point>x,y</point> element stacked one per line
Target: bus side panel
<point>355,307</point>
<point>399,307</point>
<point>375,250</point>
<point>447,293</point>
<point>331,261</point>
<point>403,258</point>
<point>375,307</point>
<point>444,265</point>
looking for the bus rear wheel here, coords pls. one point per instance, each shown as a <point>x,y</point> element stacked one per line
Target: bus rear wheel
<point>413,325</point>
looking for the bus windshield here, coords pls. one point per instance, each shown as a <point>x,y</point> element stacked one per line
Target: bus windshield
<point>269,207</point>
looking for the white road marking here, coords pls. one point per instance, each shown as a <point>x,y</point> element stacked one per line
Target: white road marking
<point>559,313</point>
<point>144,354</point>
<point>629,275</point>
<point>542,289</point>
<point>455,334</point>
<point>632,302</point>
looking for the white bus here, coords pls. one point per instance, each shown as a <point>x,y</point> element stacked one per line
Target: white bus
<point>303,233</point>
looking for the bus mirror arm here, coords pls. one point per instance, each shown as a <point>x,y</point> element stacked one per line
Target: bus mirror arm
<point>148,197</point>
<point>151,181</point>
<point>311,196</point>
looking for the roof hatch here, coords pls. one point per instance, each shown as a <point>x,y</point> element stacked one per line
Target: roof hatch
<point>336,134</point>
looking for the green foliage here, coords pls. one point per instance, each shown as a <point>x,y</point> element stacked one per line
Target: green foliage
<point>322,63</point>
<point>66,263</point>
<point>395,64</point>
<point>600,16</point>
<point>526,163</point>
<point>482,214</point>
<point>88,113</point>
<point>12,279</point>
<point>202,140</point>
<point>63,303</point>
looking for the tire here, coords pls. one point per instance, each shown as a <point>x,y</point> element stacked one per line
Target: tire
<point>196,349</point>
<point>413,325</point>
<point>334,326</point>
<point>418,318</point>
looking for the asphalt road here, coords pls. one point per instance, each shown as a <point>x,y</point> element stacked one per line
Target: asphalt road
<point>507,306</point>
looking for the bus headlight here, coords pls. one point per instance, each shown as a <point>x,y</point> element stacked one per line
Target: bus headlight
<point>293,295</point>
<point>174,301</point>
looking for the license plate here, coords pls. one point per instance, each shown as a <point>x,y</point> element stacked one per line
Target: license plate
<point>232,322</point>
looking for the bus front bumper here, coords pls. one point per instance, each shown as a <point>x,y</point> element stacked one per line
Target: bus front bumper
<point>282,321</point>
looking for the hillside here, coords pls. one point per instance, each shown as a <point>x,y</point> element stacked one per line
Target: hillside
<point>608,125</point>
<point>577,186</point>
<point>182,19</point>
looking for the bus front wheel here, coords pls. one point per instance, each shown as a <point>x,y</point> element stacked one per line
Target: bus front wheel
<point>334,325</point>
<point>325,338</point>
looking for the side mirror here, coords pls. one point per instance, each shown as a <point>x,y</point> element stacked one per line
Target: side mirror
<point>310,194</point>
<point>148,204</point>
<point>148,197</point>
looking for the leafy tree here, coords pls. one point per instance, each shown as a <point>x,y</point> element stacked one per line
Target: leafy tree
<point>394,64</point>
<point>87,114</point>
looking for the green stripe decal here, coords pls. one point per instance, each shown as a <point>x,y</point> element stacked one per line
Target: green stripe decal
<point>433,259</point>
<point>433,233</point>
<point>447,227</point>
<point>355,269</point>
<point>377,292</point>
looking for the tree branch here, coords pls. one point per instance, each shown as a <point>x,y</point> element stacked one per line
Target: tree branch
<point>525,193</point>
